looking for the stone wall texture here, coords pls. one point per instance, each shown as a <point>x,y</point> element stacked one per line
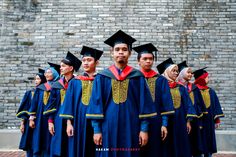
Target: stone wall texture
<point>33,32</point>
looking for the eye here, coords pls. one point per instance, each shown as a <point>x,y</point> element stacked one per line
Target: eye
<point>116,49</point>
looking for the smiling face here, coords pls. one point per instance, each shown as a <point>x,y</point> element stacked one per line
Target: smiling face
<point>48,74</point>
<point>173,74</point>
<point>188,74</point>
<point>146,61</point>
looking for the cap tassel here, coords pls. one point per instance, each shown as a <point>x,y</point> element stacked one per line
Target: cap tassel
<point>155,56</point>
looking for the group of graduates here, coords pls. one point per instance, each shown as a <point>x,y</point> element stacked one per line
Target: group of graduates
<point>120,111</point>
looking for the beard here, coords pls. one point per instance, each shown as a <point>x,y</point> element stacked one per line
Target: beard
<point>121,61</point>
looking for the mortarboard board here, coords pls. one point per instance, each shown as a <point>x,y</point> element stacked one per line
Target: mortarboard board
<point>41,71</point>
<point>120,37</point>
<point>88,51</point>
<point>146,48</point>
<point>55,66</point>
<point>164,65</point>
<point>199,72</point>
<point>182,65</point>
<point>73,60</point>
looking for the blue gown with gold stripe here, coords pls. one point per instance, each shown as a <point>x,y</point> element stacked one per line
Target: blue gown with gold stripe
<point>74,108</point>
<point>26,138</point>
<point>196,133</point>
<point>120,102</point>
<point>41,136</point>
<point>161,96</point>
<point>177,141</point>
<point>59,142</point>
<point>214,110</point>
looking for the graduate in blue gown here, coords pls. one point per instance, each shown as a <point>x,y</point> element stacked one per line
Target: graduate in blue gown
<point>161,96</point>
<point>41,136</point>
<point>57,126</point>
<point>120,104</point>
<point>195,136</point>
<point>26,138</point>
<point>177,142</point>
<point>75,106</point>
<point>212,119</point>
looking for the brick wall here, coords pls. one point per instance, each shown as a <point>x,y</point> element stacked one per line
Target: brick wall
<point>36,31</point>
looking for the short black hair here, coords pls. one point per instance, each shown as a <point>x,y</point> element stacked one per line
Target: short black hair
<point>140,55</point>
<point>67,62</point>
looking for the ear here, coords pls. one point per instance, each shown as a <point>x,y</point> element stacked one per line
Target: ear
<point>129,53</point>
<point>71,68</point>
<point>111,52</point>
<point>97,63</point>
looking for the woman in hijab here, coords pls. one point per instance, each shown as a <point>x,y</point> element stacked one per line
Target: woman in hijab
<point>185,75</point>
<point>211,120</point>
<point>177,142</point>
<point>41,136</point>
<point>25,142</point>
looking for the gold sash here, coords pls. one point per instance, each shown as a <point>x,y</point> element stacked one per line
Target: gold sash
<point>191,95</point>
<point>62,93</point>
<point>206,97</point>
<point>152,84</point>
<point>119,90</point>
<point>46,96</point>
<point>176,97</point>
<point>86,91</point>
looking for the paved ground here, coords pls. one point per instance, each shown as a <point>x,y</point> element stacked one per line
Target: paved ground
<point>22,154</point>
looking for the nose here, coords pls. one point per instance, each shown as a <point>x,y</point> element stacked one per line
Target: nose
<point>121,51</point>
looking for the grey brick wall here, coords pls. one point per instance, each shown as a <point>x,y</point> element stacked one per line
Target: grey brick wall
<point>36,31</point>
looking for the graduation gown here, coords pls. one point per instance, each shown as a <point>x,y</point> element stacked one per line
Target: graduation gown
<point>41,136</point>
<point>160,91</point>
<point>177,141</point>
<point>74,108</point>
<point>214,110</point>
<point>26,137</point>
<point>195,135</point>
<point>120,102</point>
<point>59,142</point>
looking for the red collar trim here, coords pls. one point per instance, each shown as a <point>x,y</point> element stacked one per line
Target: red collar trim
<point>189,85</point>
<point>181,83</point>
<point>85,78</point>
<point>47,85</point>
<point>149,74</point>
<point>172,84</point>
<point>62,83</point>
<point>202,87</point>
<point>125,72</point>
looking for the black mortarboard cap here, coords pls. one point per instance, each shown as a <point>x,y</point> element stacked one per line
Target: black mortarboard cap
<point>88,51</point>
<point>55,66</point>
<point>41,75</point>
<point>199,72</point>
<point>74,61</point>
<point>41,71</point>
<point>120,37</point>
<point>182,65</point>
<point>146,48</point>
<point>164,65</point>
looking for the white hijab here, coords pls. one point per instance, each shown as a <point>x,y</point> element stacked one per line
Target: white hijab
<point>167,71</point>
<point>182,75</point>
